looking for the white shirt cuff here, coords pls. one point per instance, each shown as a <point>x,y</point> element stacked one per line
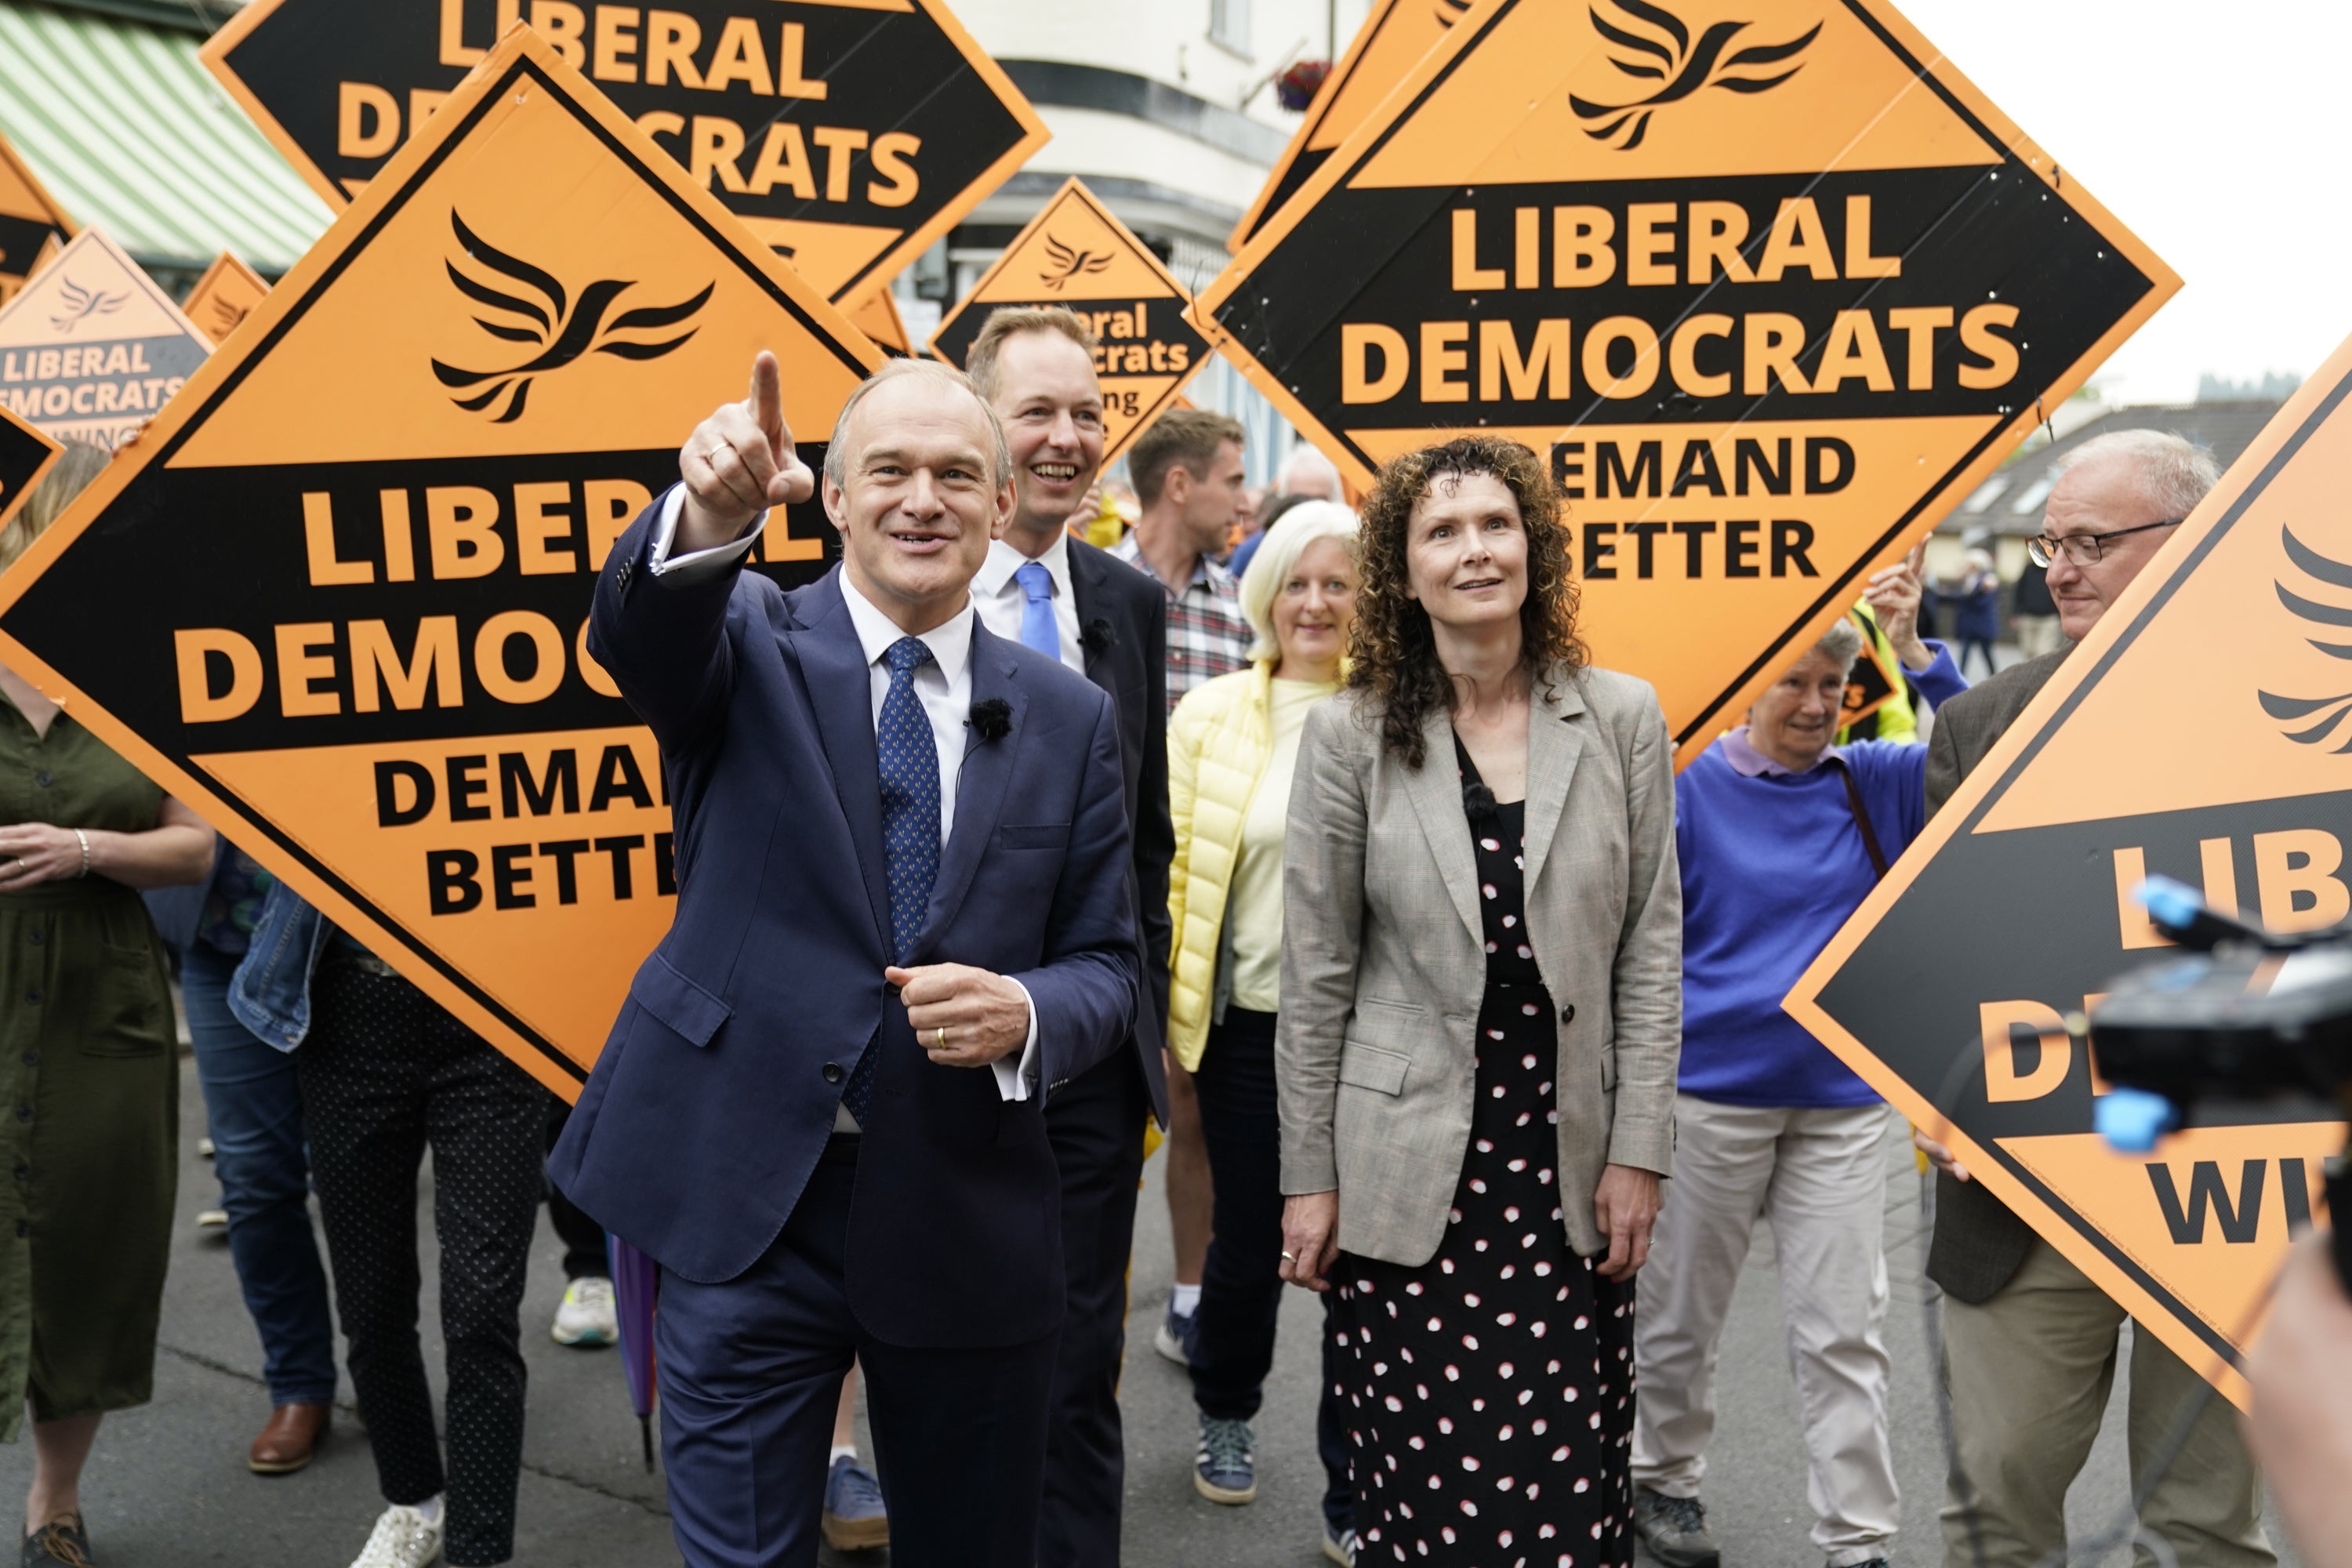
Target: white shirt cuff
<point>1014,1080</point>
<point>696,565</point>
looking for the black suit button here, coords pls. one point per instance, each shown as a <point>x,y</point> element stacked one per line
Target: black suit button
<point>1568,1013</point>
<point>833,1073</point>
<point>44,780</point>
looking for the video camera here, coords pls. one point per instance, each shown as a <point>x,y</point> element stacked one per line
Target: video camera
<point>2250,1014</point>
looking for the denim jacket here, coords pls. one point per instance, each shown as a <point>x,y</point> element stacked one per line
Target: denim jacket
<point>270,993</point>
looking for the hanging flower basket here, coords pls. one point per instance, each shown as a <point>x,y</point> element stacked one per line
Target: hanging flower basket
<point>1296,87</point>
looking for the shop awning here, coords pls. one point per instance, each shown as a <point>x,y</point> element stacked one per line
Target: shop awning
<point>129,133</point>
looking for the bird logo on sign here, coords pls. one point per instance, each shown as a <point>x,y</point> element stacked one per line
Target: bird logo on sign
<point>537,310</point>
<point>1452,11</point>
<point>2333,622</point>
<point>82,303</point>
<point>227,317</point>
<point>1067,264</point>
<point>1681,66</point>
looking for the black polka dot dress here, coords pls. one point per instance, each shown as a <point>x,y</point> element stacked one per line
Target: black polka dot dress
<point>1490,1390</point>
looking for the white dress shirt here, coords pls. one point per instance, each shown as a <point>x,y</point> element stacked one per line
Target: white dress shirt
<point>943,685</point>
<point>1002,601</point>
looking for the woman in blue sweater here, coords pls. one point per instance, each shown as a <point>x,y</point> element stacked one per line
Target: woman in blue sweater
<point>1781,836</point>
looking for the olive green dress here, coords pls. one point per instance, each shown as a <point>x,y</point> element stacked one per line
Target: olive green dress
<point>89,1097</point>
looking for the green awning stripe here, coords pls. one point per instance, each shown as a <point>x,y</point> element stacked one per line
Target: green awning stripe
<point>132,134</point>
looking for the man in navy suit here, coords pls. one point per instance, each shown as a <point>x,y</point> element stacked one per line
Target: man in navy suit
<point>904,913</point>
<point>1100,616</point>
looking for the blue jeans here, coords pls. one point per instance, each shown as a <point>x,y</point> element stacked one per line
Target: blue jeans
<point>255,1106</point>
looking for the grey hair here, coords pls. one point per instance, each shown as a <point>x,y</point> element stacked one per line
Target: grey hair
<point>836,451</point>
<point>1841,644</point>
<point>2175,474</point>
<point>1277,556</point>
<point>1307,456</point>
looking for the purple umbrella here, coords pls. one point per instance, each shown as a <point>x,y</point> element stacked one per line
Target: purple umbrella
<point>635,1283</point>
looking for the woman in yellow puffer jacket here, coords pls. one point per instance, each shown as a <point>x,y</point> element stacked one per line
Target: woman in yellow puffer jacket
<point>1231,743</point>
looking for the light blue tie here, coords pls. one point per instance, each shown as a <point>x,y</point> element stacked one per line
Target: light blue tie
<point>1037,628</point>
<point>910,757</point>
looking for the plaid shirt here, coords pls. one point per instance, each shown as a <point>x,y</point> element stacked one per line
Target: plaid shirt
<point>1208,635</point>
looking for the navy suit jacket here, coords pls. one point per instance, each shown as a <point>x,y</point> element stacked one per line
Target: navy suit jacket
<point>715,1094</point>
<point>1123,622</point>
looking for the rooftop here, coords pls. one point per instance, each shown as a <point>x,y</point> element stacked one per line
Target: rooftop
<point>2010,501</point>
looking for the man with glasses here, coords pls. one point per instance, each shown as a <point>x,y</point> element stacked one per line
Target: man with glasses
<point>2029,1343</point>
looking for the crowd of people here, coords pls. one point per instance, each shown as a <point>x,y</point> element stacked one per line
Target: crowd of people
<point>1335,856</point>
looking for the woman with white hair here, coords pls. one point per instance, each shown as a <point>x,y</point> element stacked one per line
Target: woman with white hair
<point>1781,834</point>
<point>1231,745</point>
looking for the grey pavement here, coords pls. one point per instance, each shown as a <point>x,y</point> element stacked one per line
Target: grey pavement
<point>167,1487</point>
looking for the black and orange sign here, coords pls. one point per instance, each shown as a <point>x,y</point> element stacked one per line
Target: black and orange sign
<point>1074,253</point>
<point>1394,36</point>
<point>223,297</point>
<point>1771,284</point>
<point>1874,681</point>
<point>91,347</point>
<point>24,457</point>
<point>348,572</point>
<point>849,134</point>
<point>2159,748</point>
<point>878,317</point>
<point>33,228</point>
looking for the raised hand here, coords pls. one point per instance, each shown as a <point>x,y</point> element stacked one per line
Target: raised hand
<point>1894,594</point>
<point>739,462</point>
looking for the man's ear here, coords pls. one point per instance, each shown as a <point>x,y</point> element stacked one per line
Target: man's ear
<point>837,502</point>
<point>1006,498</point>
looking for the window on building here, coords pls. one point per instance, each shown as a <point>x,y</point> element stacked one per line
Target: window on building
<point>1229,23</point>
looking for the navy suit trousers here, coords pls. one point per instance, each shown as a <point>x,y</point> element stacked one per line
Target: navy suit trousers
<point>750,1372</point>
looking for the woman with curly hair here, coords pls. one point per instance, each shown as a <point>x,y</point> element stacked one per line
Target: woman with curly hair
<point>1479,1027</point>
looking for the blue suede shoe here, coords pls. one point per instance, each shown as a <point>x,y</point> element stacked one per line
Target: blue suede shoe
<point>1174,1338</point>
<point>1225,1469</point>
<point>854,1518</point>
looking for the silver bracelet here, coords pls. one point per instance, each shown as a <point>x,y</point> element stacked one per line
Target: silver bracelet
<point>84,839</point>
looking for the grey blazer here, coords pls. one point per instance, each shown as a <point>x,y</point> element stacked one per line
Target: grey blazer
<point>1980,1243</point>
<point>1384,959</point>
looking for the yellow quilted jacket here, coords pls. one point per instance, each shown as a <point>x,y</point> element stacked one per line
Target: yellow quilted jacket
<point>1220,739</point>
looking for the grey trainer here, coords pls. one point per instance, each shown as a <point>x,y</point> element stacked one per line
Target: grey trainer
<point>1675,1529</point>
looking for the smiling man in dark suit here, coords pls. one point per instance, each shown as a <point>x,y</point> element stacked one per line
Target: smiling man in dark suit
<point>1072,602</point>
<point>904,914</point>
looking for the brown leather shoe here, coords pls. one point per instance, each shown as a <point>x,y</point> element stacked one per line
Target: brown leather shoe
<point>287,1443</point>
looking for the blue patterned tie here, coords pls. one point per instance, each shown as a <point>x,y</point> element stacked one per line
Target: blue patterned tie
<point>910,823</point>
<point>1037,628</point>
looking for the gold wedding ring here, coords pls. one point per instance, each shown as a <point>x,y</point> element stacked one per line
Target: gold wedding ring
<point>939,1038</point>
<point>1290,1258</point>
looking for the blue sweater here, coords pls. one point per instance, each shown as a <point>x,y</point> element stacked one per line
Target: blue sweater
<point>1772,865</point>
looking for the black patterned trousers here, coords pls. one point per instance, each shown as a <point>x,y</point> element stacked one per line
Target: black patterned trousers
<point>386,1073</point>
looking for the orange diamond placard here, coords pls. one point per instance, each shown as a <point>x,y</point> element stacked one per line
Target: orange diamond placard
<point>91,347</point>
<point>1768,284</point>
<point>1074,253</point>
<point>1950,988</point>
<point>223,297</point>
<point>849,134</point>
<point>348,572</point>
<point>33,228</point>
<point>24,457</point>
<point>1395,35</point>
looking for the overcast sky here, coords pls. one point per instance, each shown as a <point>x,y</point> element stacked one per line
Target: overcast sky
<point>2219,133</point>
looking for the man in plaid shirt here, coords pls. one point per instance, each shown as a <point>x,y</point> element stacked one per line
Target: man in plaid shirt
<point>1187,471</point>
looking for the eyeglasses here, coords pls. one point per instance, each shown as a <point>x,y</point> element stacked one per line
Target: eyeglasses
<point>2083,549</point>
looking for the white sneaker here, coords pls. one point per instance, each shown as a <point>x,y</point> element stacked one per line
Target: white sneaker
<point>587,1316</point>
<point>402,1539</point>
